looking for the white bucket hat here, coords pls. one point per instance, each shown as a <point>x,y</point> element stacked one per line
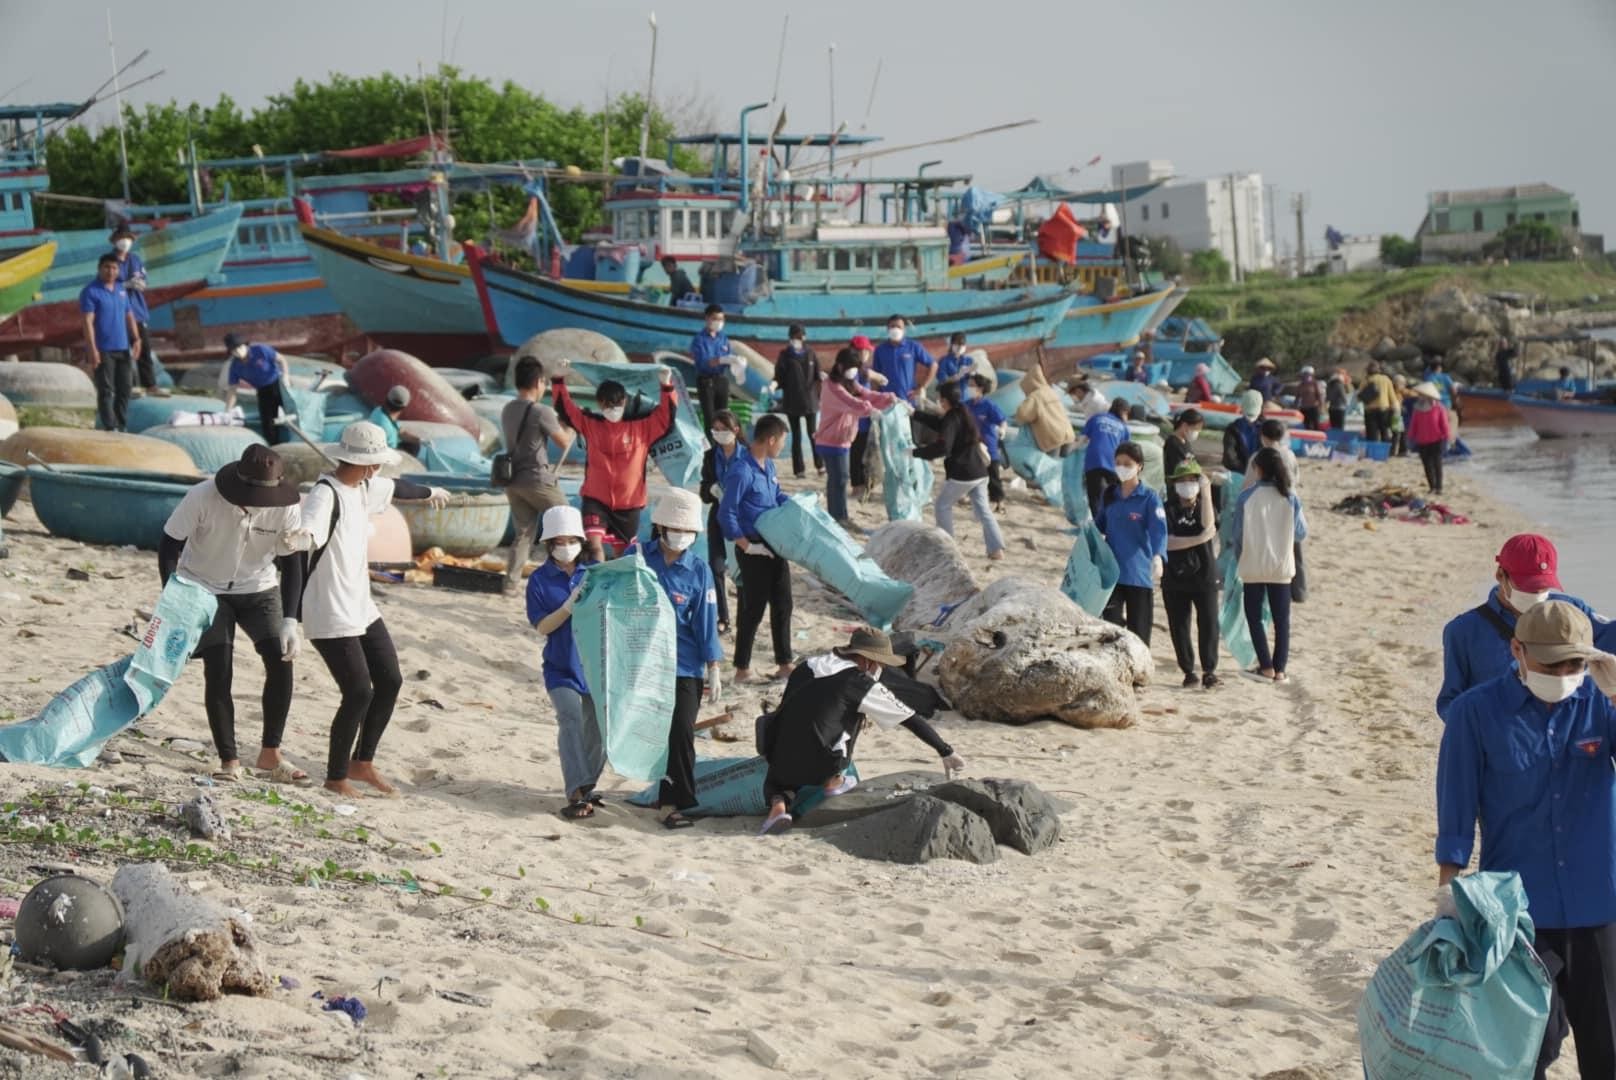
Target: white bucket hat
<point>679,510</point>
<point>363,443</point>
<point>562,521</point>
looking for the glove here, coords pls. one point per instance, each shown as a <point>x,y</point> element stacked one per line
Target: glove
<point>952,764</point>
<point>293,541</point>
<point>572,598</point>
<point>1445,907</point>
<point>876,378</point>
<point>1156,569</point>
<point>715,686</point>
<point>291,644</point>
<point>716,491</point>
<point>437,498</point>
<point>1602,666</point>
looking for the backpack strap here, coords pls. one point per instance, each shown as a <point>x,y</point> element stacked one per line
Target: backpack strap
<point>1496,620</point>
<point>318,553</point>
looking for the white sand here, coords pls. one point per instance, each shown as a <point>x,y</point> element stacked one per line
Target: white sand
<point>1231,871</point>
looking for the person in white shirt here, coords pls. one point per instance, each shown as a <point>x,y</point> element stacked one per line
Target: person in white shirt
<point>234,535</point>
<point>339,614</point>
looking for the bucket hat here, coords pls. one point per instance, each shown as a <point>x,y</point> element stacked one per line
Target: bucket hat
<point>257,480</point>
<point>362,444</point>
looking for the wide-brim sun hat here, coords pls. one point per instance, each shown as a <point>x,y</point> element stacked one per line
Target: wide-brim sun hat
<point>562,521</point>
<point>679,510</point>
<point>872,645</point>
<point>257,480</point>
<point>363,443</point>
<point>1429,390</point>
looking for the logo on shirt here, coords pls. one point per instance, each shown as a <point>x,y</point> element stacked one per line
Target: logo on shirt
<point>1590,747</point>
<point>679,599</point>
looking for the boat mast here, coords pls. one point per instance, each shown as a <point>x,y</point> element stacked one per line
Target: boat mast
<point>650,84</point>
<point>117,99</point>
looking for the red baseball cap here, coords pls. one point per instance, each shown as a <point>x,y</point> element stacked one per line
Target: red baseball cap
<point>1531,562</point>
<point>861,342</point>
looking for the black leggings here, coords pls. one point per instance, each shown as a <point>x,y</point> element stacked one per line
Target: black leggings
<point>270,404</point>
<point>1431,458</point>
<point>1205,605</point>
<point>366,671</point>
<point>857,474</point>
<point>995,483</point>
<point>218,675</point>
<point>795,423</point>
<point>765,583</point>
<point>1095,481</point>
<point>679,786</point>
<point>1139,603</point>
<point>712,394</point>
<point>717,559</point>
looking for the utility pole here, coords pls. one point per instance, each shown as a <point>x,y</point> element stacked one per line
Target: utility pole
<point>650,87</point>
<point>1270,191</point>
<point>1299,206</point>
<point>1234,227</point>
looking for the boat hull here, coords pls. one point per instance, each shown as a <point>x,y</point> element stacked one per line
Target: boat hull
<point>21,276</point>
<point>1092,327</point>
<point>98,505</point>
<point>179,252</point>
<point>1006,323</point>
<point>1565,419</point>
<point>61,324</point>
<point>1486,407</point>
<point>425,307</point>
<point>281,302</point>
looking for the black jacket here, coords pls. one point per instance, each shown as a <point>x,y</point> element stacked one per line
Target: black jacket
<point>799,378</point>
<point>957,443</point>
<point>1192,569</point>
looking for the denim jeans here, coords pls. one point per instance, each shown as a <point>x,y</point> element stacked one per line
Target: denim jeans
<point>836,486</point>
<point>1279,606</point>
<point>977,490</point>
<point>578,739</point>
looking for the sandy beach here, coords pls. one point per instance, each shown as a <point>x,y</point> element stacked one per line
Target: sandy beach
<point>1231,869</point>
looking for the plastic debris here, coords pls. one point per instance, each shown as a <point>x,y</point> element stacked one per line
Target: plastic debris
<point>344,1003</point>
<point>289,983</point>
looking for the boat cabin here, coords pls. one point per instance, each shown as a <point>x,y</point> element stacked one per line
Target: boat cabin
<point>22,161</point>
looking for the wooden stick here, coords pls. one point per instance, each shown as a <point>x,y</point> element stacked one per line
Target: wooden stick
<point>714,721</point>
<point>17,1039</point>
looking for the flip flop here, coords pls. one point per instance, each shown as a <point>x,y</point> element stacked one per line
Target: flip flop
<point>578,810</point>
<point>677,820</point>
<point>841,787</point>
<point>285,773</point>
<point>775,824</point>
<point>594,799</point>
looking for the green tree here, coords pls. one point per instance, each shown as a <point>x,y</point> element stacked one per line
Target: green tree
<point>1165,256</point>
<point>1208,267</point>
<point>1396,251</point>
<point>1528,240</point>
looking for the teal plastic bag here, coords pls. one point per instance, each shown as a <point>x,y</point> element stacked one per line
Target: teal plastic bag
<point>733,787</point>
<point>906,481</point>
<point>1091,570</point>
<point>803,533</point>
<point>1073,495</point>
<point>1035,466</point>
<point>184,612</point>
<point>73,726</point>
<point>624,627</point>
<point>454,457</point>
<point>678,453</point>
<point>1232,613</point>
<point>1463,998</point>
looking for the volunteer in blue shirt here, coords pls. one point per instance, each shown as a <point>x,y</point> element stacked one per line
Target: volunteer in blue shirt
<point>1528,756</point>
<point>676,519</point>
<point>1105,431</point>
<point>710,351</point>
<point>1566,388</point>
<point>990,419</point>
<point>954,365</point>
<point>387,414</point>
<point>113,341</point>
<point>552,590</point>
<point>1444,381</point>
<point>728,445</point>
<point>905,364</point>
<point>751,489</point>
<point>1134,524</point>
<point>1475,645</point>
<point>260,369</point>
<point>132,276</point>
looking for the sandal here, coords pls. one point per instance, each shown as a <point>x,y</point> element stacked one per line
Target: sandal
<point>226,776</point>
<point>285,773</point>
<point>575,811</point>
<point>776,823</point>
<point>676,820</point>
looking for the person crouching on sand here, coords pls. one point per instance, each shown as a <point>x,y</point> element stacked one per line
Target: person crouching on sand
<point>339,614</point>
<point>809,739</point>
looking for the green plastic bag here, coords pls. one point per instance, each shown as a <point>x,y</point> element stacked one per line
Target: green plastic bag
<point>906,481</point>
<point>1091,570</point>
<point>800,531</point>
<point>1463,998</point>
<point>678,453</point>
<point>624,627</point>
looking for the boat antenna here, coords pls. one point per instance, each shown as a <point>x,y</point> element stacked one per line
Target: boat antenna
<point>117,97</point>
<point>830,60</point>
<point>426,106</point>
<point>780,61</point>
<point>869,106</point>
<point>650,84</point>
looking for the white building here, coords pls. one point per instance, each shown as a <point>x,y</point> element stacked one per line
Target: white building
<point>1229,213</point>
<point>1356,253</point>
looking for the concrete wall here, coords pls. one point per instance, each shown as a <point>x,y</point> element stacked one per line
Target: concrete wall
<point>1196,216</point>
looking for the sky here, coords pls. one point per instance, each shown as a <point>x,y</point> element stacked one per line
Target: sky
<point>1364,105</point>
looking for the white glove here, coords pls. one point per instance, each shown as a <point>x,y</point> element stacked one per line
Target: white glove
<point>876,378</point>
<point>437,498</point>
<point>291,644</point>
<point>952,764</point>
<point>293,541</point>
<point>737,367</point>
<point>715,685</point>
<point>1602,666</point>
<point>1445,907</point>
<point>572,599</point>
<point>1156,569</point>
<point>773,386</point>
<point>716,490</point>
<point>755,548</point>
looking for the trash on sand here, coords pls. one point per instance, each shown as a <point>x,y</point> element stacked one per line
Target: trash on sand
<point>346,1004</point>
<point>462,998</point>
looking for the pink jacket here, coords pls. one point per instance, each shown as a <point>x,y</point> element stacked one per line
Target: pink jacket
<point>840,411</point>
<point>1427,426</point>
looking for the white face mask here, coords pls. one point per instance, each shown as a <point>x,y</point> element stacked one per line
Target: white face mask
<point>124,245</point>
<point>678,540</point>
<point>1127,472</point>
<point>1523,602</point>
<point>797,343</point>
<point>851,374</point>
<point>239,352</point>
<point>1553,688</point>
<point>1187,491</point>
<point>566,552</point>
<point>895,334</point>
<point>715,325</point>
<point>724,438</point>
<point>614,414</point>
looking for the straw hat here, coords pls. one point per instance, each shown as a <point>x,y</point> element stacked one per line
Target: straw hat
<point>1265,363</point>
<point>363,443</point>
<point>1430,390</point>
<point>872,645</point>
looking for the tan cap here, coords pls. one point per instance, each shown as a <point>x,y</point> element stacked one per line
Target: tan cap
<point>1555,631</point>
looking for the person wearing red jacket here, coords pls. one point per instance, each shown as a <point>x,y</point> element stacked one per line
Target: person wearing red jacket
<point>1430,432</point>
<point>613,493</point>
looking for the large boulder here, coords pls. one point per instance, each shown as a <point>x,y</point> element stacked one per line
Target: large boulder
<point>918,830</point>
<point>1450,315</point>
<point>1020,651</point>
<point>1020,815</point>
<point>554,347</point>
<point>927,558</point>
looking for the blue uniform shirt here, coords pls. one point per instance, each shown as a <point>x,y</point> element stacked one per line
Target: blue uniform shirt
<point>379,417</point>
<point>951,367</point>
<point>707,352</point>
<point>111,310</point>
<point>1444,384</point>
<point>1267,385</point>
<point>897,363</point>
<point>1105,433</point>
<point>258,370</point>
<point>1474,652</point>
<point>1136,528</point>
<point>689,585</point>
<point>547,589</point>
<point>1539,779</point>
<point>750,489</point>
<point>988,417</point>
<point>130,266</point>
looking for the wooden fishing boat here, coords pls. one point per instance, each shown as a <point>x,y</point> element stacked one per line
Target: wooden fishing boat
<point>1565,419</point>
<point>22,270</point>
<point>1487,406</point>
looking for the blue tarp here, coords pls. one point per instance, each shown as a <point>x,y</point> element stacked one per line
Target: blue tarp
<point>1033,465</point>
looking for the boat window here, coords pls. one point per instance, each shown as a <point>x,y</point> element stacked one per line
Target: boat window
<point>728,220</point>
<point>243,236</point>
<point>628,225</point>
<point>260,236</point>
<point>676,224</point>
<point>1144,212</point>
<point>822,259</point>
<point>1165,211</point>
<point>909,257</point>
<point>1441,221</point>
<point>844,259</point>
<point>1476,222</point>
<point>695,224</point>
<point>861,259</point>
<point>885,258</point>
